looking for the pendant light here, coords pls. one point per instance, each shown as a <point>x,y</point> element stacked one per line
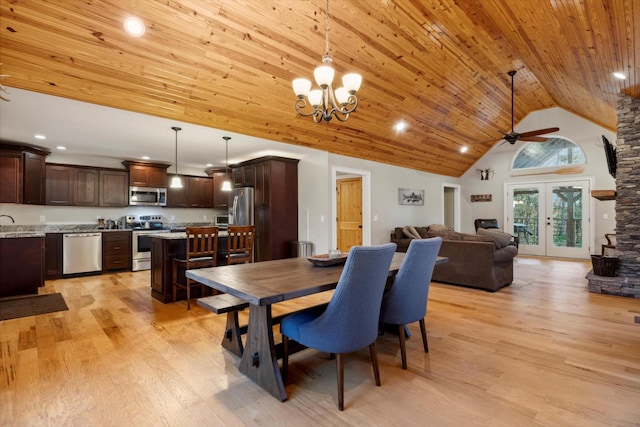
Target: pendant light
<point>176,182</point>
<point>226,185</point>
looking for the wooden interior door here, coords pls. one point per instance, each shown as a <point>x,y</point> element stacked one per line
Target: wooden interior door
<point>349,208</point>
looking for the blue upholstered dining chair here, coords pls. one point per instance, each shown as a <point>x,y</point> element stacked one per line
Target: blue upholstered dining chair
<point>350,320</point>
<point>406,301</point>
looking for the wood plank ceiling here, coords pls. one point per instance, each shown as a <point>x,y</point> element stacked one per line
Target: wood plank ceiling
<point>439,65</point>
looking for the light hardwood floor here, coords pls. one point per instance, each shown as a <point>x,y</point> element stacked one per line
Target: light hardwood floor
<point>542,351</point>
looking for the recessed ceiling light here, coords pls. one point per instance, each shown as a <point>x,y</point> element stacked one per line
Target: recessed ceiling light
<point>134,26</point>
<point>400,126</point>
<point>39,136</point>
<point>60,147</point>
<point>209,165</point>
<point>619,75</point>
<point>145,157</point>
<point>463,149</point>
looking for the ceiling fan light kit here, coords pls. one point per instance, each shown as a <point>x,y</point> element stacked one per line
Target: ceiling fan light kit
<point>326,102</point>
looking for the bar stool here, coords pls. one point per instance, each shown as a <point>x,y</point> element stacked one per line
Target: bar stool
<point>202,249</point>
<point>240,244</point>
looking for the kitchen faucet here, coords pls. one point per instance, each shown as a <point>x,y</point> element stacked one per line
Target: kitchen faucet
<point>8,216</point>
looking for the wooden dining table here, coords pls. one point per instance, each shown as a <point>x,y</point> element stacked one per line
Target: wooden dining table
<point>262,284</point>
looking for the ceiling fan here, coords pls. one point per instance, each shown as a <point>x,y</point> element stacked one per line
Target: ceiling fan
<point>531,136</point>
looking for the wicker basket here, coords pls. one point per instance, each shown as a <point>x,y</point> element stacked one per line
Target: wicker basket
<point>604,265</point>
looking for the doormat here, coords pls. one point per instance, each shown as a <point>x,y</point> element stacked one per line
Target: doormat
<point>31,306</point>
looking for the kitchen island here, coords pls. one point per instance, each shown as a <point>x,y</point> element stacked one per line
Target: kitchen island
<point>165,247</point>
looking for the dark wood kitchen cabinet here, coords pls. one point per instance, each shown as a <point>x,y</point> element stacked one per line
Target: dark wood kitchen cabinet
<point>114,188</point>
<point>86,187</point>
<point>21,265</point>
<point>59,185</point>
<point>10,177</point>
<point>275,183</point>
<point>34,178</point>
<point>178,197</point>
<point>200,192</point>
<point>220,198</point>
<point>22,173</point>
<point>144,174</point>
<point>53,256</point>
<point>196,192</point>
<point>116,250</point>
<point>69,185</point>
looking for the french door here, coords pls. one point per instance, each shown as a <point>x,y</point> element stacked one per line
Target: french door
<point>550,218</point>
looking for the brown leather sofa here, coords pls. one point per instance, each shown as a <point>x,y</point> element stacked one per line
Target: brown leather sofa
<point>477,261</point>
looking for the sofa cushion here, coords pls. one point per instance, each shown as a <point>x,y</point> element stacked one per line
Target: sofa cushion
<point>500,239</point>
<point>398,233</point>
<point>476,238</point>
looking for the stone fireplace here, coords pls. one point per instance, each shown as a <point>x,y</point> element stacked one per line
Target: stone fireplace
<point>627,280</point>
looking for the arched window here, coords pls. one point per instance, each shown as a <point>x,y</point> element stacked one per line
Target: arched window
<point>554,152</point>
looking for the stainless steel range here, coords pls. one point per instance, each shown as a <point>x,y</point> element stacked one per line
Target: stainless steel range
<point>141,227</point>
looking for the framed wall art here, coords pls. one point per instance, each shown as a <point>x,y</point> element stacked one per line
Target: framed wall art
<point>410,196</point>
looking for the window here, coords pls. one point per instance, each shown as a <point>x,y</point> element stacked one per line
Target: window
<point>554,152</point>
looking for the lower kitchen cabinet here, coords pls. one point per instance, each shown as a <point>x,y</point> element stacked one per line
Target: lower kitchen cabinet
<point>116,250</point>
<point>53,256</point>
<point>21,265</point>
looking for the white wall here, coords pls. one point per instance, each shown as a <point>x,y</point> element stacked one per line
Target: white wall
<point>585,134</point>
<point>385,181</point>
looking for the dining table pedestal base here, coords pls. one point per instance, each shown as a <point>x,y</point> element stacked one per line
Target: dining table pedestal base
<point>259,359</point>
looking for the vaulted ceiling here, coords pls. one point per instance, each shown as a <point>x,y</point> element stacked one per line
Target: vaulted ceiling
<point>439,65</point>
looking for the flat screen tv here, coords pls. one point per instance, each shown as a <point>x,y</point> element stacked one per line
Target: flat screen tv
<point>610,152</point>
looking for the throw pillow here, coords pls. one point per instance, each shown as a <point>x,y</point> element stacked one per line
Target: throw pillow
<point>499,238</point>
<point>410,232</point>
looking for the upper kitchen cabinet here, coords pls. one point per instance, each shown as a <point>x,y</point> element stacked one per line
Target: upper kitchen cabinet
<point>196,192</point>
<point>179,197</point>
<point>114,187</point>
<point>200,192</point>
<point>143,174</point>
<point>59,185</point>
<point>220,198</point>
<point>22,174</point>
<point>86,186</point>
<point>69,185</point>
<point>275,183</point>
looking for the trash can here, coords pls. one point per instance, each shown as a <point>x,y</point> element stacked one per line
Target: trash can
<point>301,249</point>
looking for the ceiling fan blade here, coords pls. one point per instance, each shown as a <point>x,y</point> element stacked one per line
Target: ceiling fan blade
<point>538,132</point>
<point>533,139</point>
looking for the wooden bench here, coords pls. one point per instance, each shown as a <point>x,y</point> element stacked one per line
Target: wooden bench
<point>232,305</point>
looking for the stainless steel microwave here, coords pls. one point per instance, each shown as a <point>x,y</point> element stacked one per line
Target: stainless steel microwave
<point>147,196</point>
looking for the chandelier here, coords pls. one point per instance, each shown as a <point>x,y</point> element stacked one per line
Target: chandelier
<point>325,102</point>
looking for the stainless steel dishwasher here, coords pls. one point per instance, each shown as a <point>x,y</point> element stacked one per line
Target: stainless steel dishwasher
<point>81,253</point>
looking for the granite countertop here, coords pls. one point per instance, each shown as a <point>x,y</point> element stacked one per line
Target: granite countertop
<point>20,234</point>
<point>17,231</point>
<point>179,235</point>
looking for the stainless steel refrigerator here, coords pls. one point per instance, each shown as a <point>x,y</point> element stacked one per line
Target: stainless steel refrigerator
<point>241,206</point>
